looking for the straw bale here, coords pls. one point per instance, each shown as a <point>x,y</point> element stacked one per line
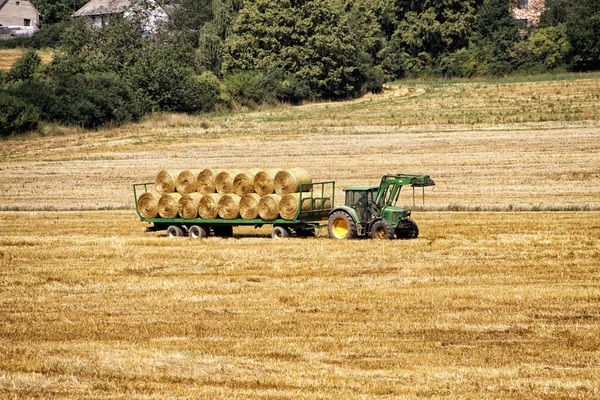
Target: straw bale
<point>289,181</point>
<point>243,183</point>
<point>168,205</point>
<point>206,180</point>
<point>249,206</point>
<point>229,206</point>
<point>264,181</point>
<point>187,181</point>
<point>148,204</point>
<point>188,205</point>
<point>166,181</point>
<point>268,207</point>
<point>209,206</point>
<point>290,204</point>
<point>224,181</point>
<point>322,203</point>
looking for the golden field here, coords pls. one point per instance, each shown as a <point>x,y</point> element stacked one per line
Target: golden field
<point>8,57</point>
<point>482,305</point>
<point>498,298</point>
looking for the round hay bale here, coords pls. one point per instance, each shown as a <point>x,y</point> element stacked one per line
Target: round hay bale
<point>243,183</point>
<point>166,181</point>
<point>206,180</point>
<point>264,181</point>
<point>268,207</point>
<point>187,181</point>
<point>208,207</point>
<point>322,204</point>
<point>290,205</point>
<point>249,206</point>
<point>224,181</point>
<point>148,204</point>
<point>188,205</point>
<point>168,205</point>
<point>229,206</point>
<point>289,181</point>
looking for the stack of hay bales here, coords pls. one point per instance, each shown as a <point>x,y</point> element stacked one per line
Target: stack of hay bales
<point>267,194</point>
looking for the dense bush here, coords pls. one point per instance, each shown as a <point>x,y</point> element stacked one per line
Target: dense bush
<point>88,100</point>
<point>25,67</point>
<point>16,116</point>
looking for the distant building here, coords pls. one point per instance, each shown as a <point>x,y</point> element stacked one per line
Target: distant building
<point>99,12</point>
<point>18,18</point>
<point>527,12</point>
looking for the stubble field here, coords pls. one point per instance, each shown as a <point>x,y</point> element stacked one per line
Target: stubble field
<point>498,297</point>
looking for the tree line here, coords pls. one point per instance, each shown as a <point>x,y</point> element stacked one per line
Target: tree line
<point>223,54</point>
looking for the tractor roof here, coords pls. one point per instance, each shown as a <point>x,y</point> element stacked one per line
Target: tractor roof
<point>361,188</point>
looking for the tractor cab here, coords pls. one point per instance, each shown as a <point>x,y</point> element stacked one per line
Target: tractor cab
<point>362,199</point>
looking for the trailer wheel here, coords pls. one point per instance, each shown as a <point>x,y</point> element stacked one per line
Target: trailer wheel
<point>412,232</point>
<point>198,232</point>
<point>280,232</point>
<point>341,226</point>
<point>223,231</point>
<point>174,231</point>
<point>382,230</point>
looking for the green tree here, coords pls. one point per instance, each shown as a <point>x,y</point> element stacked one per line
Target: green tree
<point>429,30</point>
<point>314,40</point>
<point>53,11</point>
<point>26,66</point>
<point>583,32</point>
<point>550,46</point>
<point>496,35</point>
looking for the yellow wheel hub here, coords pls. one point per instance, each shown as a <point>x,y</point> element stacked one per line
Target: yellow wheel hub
<point>340,228</point>
<point>380,233</point>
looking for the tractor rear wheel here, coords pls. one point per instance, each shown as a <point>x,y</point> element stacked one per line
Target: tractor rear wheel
<point>412,232</point>
<point>382,230</point>
<point>341,226</point>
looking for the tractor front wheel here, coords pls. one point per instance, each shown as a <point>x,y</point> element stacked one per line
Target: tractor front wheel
<point>412,232</point>
<point>341,226</point>
<point>382,230</point>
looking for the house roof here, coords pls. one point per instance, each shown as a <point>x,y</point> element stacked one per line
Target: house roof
<point>2,3</point>
<point>102,7</point>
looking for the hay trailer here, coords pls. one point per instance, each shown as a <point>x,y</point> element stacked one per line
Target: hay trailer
<point>319,196</point>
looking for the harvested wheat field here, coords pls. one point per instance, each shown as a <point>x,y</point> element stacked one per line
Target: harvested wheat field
<point>482,305</point>
<point>499,297</point>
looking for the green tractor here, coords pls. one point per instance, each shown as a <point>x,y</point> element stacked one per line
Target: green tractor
<point>371,211</point>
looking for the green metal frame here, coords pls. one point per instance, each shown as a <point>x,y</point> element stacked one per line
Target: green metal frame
<point>313,217</point>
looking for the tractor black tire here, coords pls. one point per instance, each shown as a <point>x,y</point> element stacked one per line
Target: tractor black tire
<point>280,232</point>
<point>382,229</point>
<point>175,231</point>
<point>341,226</point>
<point>224,231</point>
<point>198,231</point>
<point>411,232</point>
